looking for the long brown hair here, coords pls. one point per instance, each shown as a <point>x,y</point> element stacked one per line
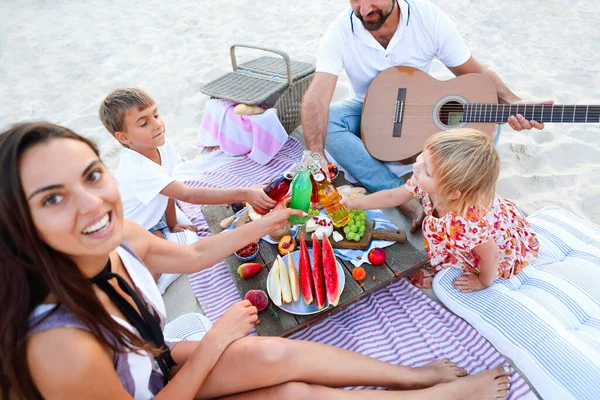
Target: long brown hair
<point>30,270</point>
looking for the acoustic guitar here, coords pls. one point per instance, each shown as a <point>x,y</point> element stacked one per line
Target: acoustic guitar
<point>404,106</point>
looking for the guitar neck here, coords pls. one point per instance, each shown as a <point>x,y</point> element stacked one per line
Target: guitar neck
<point>499,113</point>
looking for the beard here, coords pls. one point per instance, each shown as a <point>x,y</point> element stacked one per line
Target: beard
<point>377,23</point>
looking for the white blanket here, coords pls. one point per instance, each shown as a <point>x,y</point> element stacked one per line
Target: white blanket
<point>547,318</point>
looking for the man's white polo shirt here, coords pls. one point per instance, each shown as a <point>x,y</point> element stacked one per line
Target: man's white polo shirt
<point>424,32</point>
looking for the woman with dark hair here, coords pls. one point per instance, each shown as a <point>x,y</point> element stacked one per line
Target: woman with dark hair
<point>82,318</point>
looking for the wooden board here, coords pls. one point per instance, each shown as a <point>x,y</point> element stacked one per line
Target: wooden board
<point>395,235</point>
<point>362,244</point>
<point>402,259</point>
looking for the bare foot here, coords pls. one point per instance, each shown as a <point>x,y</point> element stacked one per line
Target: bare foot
<point>414,210</point>
<point>438,371</point>
<point>487,385</point>
<point>445,370</point>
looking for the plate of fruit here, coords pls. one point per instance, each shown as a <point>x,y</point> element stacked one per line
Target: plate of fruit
<point>306,281</point>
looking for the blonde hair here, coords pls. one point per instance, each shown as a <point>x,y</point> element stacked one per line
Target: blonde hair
<point>116,104</point>
<point>465,160</point>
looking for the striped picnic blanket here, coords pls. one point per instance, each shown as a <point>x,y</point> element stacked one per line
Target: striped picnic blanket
<point>547,318</point>
<point>399,324</point>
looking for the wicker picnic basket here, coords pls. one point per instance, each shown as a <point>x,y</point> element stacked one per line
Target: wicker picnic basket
<point>266,81</point>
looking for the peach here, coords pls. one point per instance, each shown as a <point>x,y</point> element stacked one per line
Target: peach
<point>258,298</point>
<point>287,244</point>
<point>376,256</point>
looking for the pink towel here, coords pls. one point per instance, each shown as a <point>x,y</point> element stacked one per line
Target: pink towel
<point>260,136</point>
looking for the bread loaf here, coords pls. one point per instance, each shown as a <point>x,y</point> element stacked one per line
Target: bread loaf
<point>245,109</point>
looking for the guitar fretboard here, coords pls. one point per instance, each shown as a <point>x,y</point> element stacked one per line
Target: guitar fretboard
<point>499,113</point>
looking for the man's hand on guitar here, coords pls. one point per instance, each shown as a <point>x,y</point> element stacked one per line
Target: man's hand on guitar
<point>519,123</point>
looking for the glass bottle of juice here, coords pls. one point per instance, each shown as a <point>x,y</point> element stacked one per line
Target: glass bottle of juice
<point>314,197</point>
<point>301,189</point>
<point>278,188</point>
<point>329,197</point>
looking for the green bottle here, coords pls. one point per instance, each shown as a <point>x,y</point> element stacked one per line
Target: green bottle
<point>301,189</point>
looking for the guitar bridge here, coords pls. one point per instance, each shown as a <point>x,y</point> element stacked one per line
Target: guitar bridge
<point>399,113</point>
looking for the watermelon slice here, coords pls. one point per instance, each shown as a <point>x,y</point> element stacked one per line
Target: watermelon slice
<point>317,272</point>
<point>306,282</point>
<point>332,281</point>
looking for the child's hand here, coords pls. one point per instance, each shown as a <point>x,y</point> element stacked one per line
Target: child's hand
<point>468,282</point>
<point>347,201</point>
<point>183,227</point>
<point>259,199</point>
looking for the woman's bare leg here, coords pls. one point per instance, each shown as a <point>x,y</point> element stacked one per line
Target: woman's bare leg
<point>259,362</point>
<point>487,385</point>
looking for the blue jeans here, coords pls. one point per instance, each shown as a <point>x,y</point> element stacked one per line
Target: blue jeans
<point>344,143</point>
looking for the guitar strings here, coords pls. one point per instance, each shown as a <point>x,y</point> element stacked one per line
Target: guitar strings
<point>479,112</point>
<point>505,107</point>
<point>484,118</point>
<point>538,107</point>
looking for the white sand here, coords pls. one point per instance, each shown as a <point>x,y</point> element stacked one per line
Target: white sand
<point>58,60</point>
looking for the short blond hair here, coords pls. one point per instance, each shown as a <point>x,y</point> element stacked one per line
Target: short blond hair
<point>465,160</point>
<point>116,104</point>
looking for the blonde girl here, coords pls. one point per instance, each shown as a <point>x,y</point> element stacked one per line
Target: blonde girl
<point>467,225</point>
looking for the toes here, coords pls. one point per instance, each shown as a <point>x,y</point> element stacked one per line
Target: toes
<point>458,371</point>
<point>502,370</point>
<point>502,394</point>
<point>499,371</point>
<point>502,385</point>
<point>503,379</point>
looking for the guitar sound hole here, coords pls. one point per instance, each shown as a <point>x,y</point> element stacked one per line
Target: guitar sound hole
<point>451,114</point>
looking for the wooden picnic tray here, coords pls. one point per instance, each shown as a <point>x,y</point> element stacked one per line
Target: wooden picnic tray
<point>394,235</point>
<point>402,259</point>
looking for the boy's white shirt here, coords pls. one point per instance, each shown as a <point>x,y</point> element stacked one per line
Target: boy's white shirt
<point>140,181</point>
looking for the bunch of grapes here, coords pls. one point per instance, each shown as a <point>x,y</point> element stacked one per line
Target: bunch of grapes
<point>356,226</point>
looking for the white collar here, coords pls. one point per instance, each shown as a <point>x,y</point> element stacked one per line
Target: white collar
<point>359,30</point>
<point>134,155</point>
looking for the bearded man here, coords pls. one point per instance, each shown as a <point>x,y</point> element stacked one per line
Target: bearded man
<point>371,36</point>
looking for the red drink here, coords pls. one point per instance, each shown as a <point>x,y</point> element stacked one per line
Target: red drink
<point>314,196</point>
<point>277,189</point>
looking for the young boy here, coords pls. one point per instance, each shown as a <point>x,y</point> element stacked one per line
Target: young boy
<point>144,174</point>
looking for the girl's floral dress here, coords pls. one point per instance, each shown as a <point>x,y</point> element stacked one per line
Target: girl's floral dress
<point>450,240</point>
